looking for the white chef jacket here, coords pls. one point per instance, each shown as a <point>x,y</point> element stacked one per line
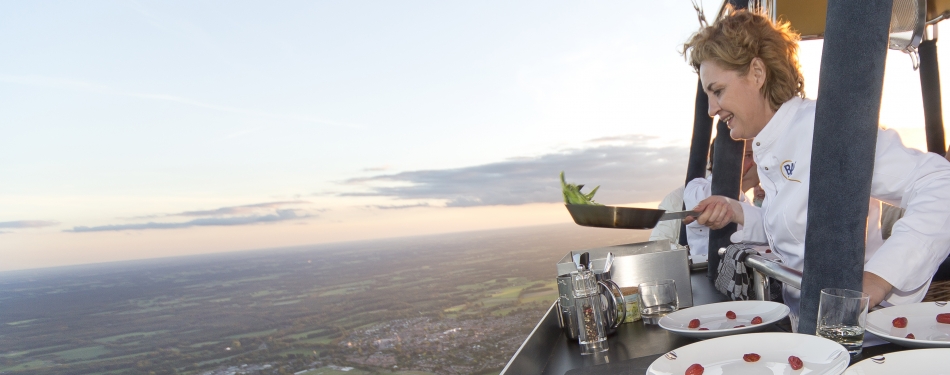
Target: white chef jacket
<point>905,177</point>
<point>669,229</point>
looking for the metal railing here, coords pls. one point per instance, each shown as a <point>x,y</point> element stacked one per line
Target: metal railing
<point>763,268</point>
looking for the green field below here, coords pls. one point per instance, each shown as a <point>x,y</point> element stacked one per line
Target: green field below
<point>200,344</point>
<point>14,354</point>
<point>20,322</point>
<point>543,292</point>
<point>114,358</point>
<point>82,353</point>
<point>110,339</point>
<point>27,366</point>
<point>113,372</point>
<point>549,295</point>
<point>27,352</point>
<point>330,371</point>
<point>262,293</point>
<point>300,336</point>
<point>252,334</point>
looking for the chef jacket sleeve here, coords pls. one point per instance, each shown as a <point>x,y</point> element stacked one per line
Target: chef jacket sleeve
<point>753,228</point>
<point>697,235</point>
<point>669,229</point>
<point>696,190</point>
<point>920,241</point>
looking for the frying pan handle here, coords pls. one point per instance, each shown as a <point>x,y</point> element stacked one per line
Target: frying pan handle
<point>679,215</point>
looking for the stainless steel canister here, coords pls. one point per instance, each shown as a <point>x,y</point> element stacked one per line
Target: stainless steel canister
<point>640,262</point>
<point>565,301</point>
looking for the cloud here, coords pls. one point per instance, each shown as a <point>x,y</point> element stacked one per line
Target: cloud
<point>280,215</point>
<point>248,214</point>
<point>142,217</point>
<point>629,169</point>
<point>399,207</point>
<point>28,224</point>
<point>238,210</point>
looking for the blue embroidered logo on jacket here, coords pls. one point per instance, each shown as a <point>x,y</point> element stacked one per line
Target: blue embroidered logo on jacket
<point>788,168</point>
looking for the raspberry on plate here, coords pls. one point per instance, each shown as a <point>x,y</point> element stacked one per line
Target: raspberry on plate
<point>695,369</point>
<point>730,315</point>
<point>943,318</point>
<point>795,362</point>
<point>751,357</point>
<point>694,323</point>
<point>910,336</point>
<point>757,320</point>
<point>900,322</point>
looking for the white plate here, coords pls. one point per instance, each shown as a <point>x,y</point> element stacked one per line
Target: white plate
<point>723,355</point>
<point>713,316</point>
<point>921,321</point>
<point>917,362</point>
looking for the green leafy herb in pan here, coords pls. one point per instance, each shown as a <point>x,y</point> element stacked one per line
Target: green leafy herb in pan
<point>573,195</point>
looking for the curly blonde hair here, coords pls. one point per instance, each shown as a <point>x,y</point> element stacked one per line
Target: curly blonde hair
<point>741,36</point>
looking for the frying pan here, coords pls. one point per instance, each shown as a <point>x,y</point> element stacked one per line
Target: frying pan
<point>622,217</point>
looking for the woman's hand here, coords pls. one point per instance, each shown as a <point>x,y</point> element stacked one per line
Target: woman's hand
<point>717,211</point>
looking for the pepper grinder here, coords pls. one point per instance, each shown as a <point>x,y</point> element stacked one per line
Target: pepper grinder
<point>591,332</point>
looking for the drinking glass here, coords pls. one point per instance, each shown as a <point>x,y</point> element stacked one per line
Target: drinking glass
<point>657,298</point>
<point>842,315</point>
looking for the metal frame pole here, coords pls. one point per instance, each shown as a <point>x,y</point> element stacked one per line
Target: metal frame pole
<point>930,91</point>
<point>726,179</point>
<point>699,146</point>
<point>842,156</point>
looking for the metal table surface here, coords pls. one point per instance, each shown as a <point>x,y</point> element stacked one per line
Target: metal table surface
<point>548,351</point>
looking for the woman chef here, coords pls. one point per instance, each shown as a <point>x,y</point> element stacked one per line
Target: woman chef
<point>749,68</point>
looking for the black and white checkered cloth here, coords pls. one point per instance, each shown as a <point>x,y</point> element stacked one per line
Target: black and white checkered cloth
<point>733,279</point>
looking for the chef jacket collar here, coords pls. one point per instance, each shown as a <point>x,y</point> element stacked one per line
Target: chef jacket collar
<point>776,126</point>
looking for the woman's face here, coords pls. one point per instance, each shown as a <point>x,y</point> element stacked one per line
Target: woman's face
<point>737,99</point>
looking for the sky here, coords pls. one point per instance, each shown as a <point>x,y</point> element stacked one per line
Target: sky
<point>142,129</point>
